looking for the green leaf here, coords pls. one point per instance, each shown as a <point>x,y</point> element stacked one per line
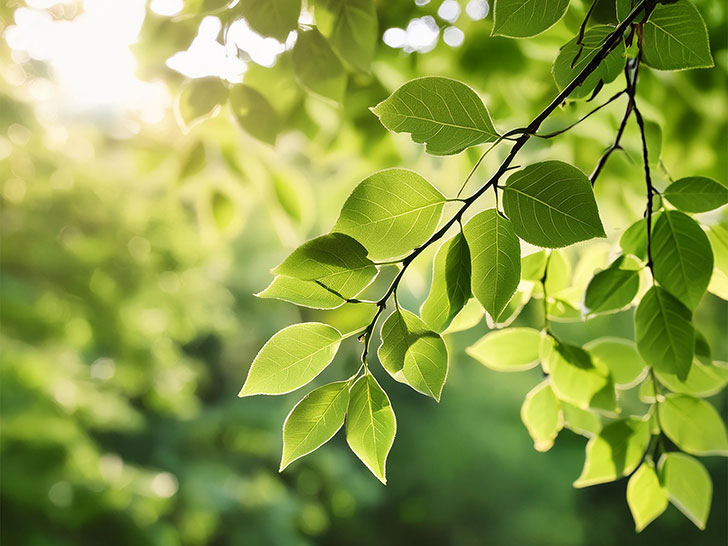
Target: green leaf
<point>682,257</point>
<point>198,100</point>
<point>718,236</point>
<point>696,194</point>
<point>524,18</point>
<point>292,358</point>
<point>512,310</point>
<point>446,115</point>
<point>318,68</point>
<point>314,421</point>
<point>509,350</point>
<point>533,266</point>
<point>615,452</point>
<point>551,204</point>
<point>254,113</point>
<point>370,425</point>
<point>580,421</point>
<point>303,293</point>
<point>274,18</point>
<point>664,334</point>
<point>704,379</point>
<point>335,261</point>
<point>634,239</point>
<point>558,272</point>
<point>351,28</point>
<point>413,354</point>
<point>580,381</point>
<point>612,289</point>
<point>471,315</point>
<point>495,255</point>
<point>688,484</point>
<point>541,413</point>
<point>622,359</point>
<point>565,69</point>
<point>223,209</point>
<point>675,38</point>
<point>450,289</point>
<point>645,496</point>
<point>391,212</point>
<point>693,425</point>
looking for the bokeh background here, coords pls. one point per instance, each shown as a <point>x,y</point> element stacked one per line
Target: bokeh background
<point>131,251</point>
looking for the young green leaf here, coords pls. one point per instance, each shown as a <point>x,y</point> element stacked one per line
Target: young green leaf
<point>565,69</point>
<point>718,236</point>
<point>541,413</point>
<point>703,380</point>
<point>693,425</point>
<point>634,239</point>
<point>198,100</point>
<point>391,212</point>
<point>533,266</point>
<point>508,350</point>
<point>580,421</point>
<point>512,310</point>
<point>470,316</point>
<point>622,359</point>
<point>413,354</point>
<point>274,18</point>
<point>663,331</point>
<point>696,194</point>
<point>254,113</point>
<point>351,28</point>
<point>314,421</point>
<point>370,425</point>
<point>292,358</point>
<point>303,293</point>
<point>615,452</point>
<point>317,67</point>
<point>682,256</point>
<point>612,289</point>
<point>525,18</point>
<point>580,381</point>
<point>688,484</point>
<point>645,496</point>
<point>495,255</point>
<point>450,289</point>
<point>335,261</point>
<point>551,204</point>
<point>446,115</point>
<point>675,38</point>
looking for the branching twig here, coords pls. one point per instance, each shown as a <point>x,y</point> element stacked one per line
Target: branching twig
<point>609,44</point>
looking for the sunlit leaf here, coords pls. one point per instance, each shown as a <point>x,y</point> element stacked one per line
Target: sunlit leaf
<point>693,425</point>
<point>198,100</point>
<point>612,289</point>
<point>414,354</point>
<point>524,18</point>
<point>445,114</point>
<point>274,18</point>
<point>508,350</point>
<point>391,212</point>
<point>696,194</point>
<point>614,452</point>
<point>551,204</point>
<point>664,334</point>
<point>579,380</point>
<point>303,293</point>
<point>495,255</point>
<point>688,484</point>
<point>351,28</point>
<point>622,359</point>
<point>317,67</point>
<point>541,413</point>
<point>682,256</point>
<point>292,358</point>
<point>314,420</point>
<point>645,496</point>
<point>254,113</point>
<point>370,425</point>
<point>450,284</point>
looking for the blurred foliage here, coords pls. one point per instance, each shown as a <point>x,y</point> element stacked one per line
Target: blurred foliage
<point>127,269</point>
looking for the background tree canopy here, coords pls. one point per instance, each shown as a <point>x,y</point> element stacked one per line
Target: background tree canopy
<point>159,159</point>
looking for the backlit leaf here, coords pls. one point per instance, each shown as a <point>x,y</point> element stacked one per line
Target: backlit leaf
<point>370,425</point>
<point>391,213</point>
<point>303,293</point>
<point>612,289</point>
<point>524,18</point>
<point>693,425</point>
<point>696,194</point>
<point>351,28</point>
<point>254,113</point>
<point>413,354</point>
<point>688,484</point>
<point>292,358</point>
<point>274,18</point>
<point>495,255</point>
<point>446,115</point>
<point>198,100</point>
<point>541,413</point>
<point>508,350</point>
<point>314,420</point>
<point>621,357</point>
<point>317,67</point>
<point>551,204</point>
<point>645,496</point>
<point>579,380</point>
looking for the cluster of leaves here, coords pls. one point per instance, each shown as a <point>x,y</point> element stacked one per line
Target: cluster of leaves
<point>342,40</point>
<point>666,263</point>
